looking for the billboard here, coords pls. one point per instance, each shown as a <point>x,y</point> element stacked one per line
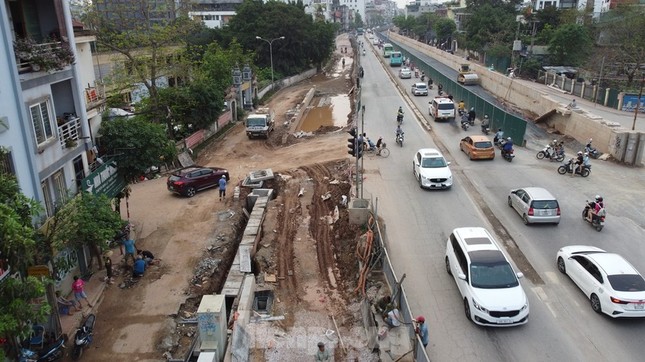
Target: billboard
<point>629,103</point>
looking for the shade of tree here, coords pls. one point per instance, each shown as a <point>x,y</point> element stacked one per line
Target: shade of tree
<point>136,143</point>
<point>570,44</point>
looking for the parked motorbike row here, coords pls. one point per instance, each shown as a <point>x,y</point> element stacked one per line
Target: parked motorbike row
<point>56,350</point>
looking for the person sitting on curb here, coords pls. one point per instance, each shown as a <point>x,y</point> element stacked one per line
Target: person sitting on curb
<point>65,305</point>
<point>139,267</point>
<point>393,318</point>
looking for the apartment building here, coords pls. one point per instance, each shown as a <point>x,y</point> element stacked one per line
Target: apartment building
<point>45,126</point>
<point>213,13</point>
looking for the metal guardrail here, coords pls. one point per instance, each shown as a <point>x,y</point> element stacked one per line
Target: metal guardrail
<point>69,130</point>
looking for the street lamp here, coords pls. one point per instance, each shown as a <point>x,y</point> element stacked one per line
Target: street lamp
<point>270,52</point>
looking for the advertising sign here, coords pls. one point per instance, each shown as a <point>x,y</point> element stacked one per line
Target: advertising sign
<point>105,180</point>
<point>629,103</point>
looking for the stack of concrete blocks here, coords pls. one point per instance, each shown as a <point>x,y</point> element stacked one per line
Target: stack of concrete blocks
<point>240,282</point>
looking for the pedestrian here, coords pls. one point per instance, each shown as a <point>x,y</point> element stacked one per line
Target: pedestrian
<point>78,287</point>
<point>147,256</point>
<point>222,188</point>
<point>572,105</point>
<point>139,267</point>
<point>393,318</point>
<point>107,260</point>
<point>65,305</point>
<point>322,354</point>
<point>130,249</point>
<point>422,330</point>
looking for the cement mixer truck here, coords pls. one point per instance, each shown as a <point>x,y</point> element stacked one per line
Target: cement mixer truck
<point>467,76</point>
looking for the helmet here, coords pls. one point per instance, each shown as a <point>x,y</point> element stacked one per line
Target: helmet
<point>598,198</point>
<point>499,129</point>
<point>555,141</point>
<point>579,153</point>
<point>473,108</point>
<point>421,319</point>
<point>320,344</point>
<point>509,139</point>
<point>486,117</point>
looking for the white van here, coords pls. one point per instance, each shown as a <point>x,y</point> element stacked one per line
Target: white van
<point>442,108</point>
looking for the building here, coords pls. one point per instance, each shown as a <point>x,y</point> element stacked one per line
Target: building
<point>213,13</point>
<point>127,14</point>
<point>46,122</point>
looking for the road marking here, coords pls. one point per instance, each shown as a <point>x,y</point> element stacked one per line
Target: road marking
<point>548,305</point>
<point>553,277</point>
<point>540,293</point>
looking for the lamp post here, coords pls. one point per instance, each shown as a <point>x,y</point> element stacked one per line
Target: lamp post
<point>270,52</point>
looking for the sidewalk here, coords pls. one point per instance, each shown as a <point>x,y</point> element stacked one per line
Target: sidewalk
<point>94,289</point>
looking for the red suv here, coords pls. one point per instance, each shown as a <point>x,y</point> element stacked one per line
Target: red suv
<point>187,181</point>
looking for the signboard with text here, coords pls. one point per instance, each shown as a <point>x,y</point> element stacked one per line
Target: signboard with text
<point>105,180</point>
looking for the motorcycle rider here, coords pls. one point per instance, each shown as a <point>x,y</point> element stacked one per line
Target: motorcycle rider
<point>399,115</point>
<point>464,119</point>
<point>498,136</point>
<point>485,122</point>
<point>399,131</point>
<point>578,163</point>
<point>553,148</point>
<point>423,76</point>
<point>472,115</point>
<point>508,146</point>
<point>585,159</point>
<point>594,209</point>
<point>461,107</point>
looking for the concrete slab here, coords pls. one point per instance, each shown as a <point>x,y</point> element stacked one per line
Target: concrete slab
<point>261,175</point>
<point>248,183</point>
<point>248,240</point>
<point>245,258</point>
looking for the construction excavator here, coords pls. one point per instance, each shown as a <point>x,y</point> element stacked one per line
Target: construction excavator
<point>467,76</point>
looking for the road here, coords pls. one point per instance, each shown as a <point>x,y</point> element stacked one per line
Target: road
<point>562,326</point>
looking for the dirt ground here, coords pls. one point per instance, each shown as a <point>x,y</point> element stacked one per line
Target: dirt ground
<point>312,255</point>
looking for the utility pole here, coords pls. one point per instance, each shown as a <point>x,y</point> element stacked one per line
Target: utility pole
<point>363,131</point>
<point>638,102</point>
<point>595,97</point>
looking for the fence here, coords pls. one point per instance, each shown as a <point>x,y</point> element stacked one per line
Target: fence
<point>607,97</point>
<point>513,125</point>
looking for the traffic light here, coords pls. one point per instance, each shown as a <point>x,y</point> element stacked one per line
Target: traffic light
<point>351,142</point>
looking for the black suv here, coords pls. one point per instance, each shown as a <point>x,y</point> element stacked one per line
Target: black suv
<point>187,181</point>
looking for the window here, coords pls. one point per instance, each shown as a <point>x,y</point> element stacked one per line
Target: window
<point>41,120</point>
<point>6,163</point>
<point>47,199</point>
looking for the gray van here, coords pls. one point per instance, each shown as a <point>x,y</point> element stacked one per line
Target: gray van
<point>535,205</point>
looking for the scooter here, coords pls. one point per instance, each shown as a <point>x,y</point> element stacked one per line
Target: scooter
<point>465,125</point>
<point>399,118</point>
<point>508,156</point>
<point>53,352</point>
<point>84,336</point>
<point>591,151</point>
<point>597,221</point>
<point>485,129</point>
<point>500,143</point>
<point>399,139</point>
<point>548,152</point>
<point>568,168</point>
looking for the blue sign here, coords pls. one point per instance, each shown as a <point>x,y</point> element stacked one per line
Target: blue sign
<point>629,103</point>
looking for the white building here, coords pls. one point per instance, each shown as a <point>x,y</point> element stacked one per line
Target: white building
<point>45,120</point>
<point>213,13</point>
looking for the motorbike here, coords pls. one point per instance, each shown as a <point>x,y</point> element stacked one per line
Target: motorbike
<point>568,168</point>
<point>508,156</point>
<point>485,129</point>
<point>465,125</point>
<point>400,138</point>
<point>500,143</point>
<point>399,118</point>
<point>416,73</point>
<point>593,153</point>
<point>597,221</point>
<point>423,77</point>
<point>552,154</point>
<point>84,336</point>
<point>53,352</point>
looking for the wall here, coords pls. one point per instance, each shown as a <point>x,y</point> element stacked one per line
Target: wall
<point>288,81</point>
<point>579,124</point>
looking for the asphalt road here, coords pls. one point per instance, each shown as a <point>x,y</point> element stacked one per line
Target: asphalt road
<point>562,326</point>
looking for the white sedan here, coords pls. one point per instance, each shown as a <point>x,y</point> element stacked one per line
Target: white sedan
<point>611,283</point>
<point>405,73</point>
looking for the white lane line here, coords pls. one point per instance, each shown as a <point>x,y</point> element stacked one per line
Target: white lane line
<point>540,293</point>
<point>548,305</point>
<point>552,277</point>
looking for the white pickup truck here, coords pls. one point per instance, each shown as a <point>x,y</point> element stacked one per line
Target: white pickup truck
<point>260,123</point>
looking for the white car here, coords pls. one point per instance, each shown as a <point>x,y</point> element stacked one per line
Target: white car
<point>431,169</point>
<point>405,73</point>
<point>488,284</point>
<point>419,89</point>
<point>611,283</point>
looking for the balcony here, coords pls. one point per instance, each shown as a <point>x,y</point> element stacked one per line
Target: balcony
<point>69,130</point>
<point>46,56</point>
<point>94,96</point>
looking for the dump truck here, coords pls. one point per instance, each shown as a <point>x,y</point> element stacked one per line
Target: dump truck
<point>467,76</point>
<point>260,123</point>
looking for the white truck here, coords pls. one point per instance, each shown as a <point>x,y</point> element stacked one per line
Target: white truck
<point>260,123</point>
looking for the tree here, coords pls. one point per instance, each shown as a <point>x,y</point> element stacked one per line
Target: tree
<point>17,250</point>
<point>624,36</point>
<point>570,45</point>
<point>86,220</point>
<point>152,49</point>
<point>137,145</point>
<point>490,25</point>
<point>444,28</point>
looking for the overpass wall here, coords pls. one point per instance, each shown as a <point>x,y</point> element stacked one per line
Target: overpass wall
<point>578,124</point>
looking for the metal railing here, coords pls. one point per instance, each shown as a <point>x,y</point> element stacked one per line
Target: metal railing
<point>69,131</point>
<point>94,96</point>
<point>42,49</point>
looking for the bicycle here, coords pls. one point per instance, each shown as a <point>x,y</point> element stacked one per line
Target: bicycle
<point>383,151</point>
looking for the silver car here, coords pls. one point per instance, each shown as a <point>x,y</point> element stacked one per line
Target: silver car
<point>405,73</point>
<point>419,89</point>
<point>535,205</point>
